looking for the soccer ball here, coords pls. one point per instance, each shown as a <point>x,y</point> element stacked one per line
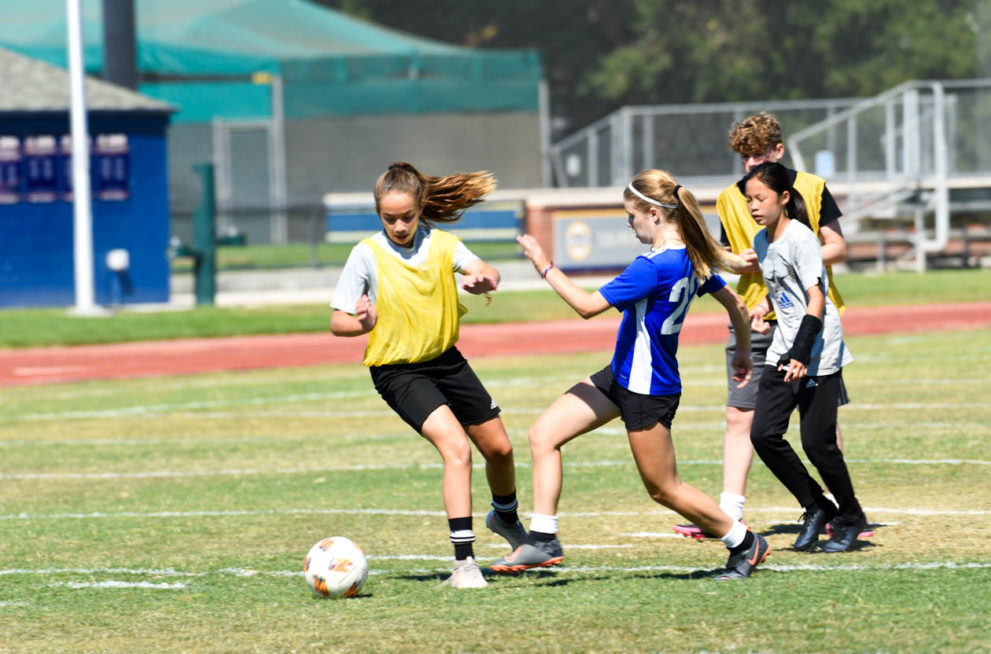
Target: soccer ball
<point>335,567</point>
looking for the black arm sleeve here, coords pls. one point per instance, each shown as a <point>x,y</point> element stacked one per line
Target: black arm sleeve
<point>801,349</point>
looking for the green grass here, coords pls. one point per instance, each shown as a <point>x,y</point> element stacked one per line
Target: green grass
<point>208,490</point>
<point>44,327</point>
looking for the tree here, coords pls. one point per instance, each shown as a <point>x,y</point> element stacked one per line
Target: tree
<point>602,54</point>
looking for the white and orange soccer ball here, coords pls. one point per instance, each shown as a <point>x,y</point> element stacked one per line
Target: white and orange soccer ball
<point>335,567</point>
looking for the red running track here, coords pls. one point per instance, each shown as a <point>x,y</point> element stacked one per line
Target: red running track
<point>190,356</point>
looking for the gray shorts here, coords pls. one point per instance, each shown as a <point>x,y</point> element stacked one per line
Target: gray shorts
<point>746,397</point>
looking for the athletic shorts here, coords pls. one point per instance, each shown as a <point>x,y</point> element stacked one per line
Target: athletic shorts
<point>638,411</point>
<point>746,397</point>
<point>415,390</point>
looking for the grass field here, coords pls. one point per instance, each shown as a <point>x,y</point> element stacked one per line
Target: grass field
<point>173,514</point>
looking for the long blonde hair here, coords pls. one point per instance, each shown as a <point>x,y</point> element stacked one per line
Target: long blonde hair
<point>440,199</point>
<point>703,250</point>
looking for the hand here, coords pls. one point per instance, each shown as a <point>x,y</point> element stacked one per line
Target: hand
<point>794,369</point>
<point>752,263</point>
<point>366,313</point>
<point>478,284</point>
<point>743,366</point>
<point>533,251</point>
<point>758,324</point>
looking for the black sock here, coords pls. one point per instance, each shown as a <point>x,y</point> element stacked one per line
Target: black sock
<point>747,543</point>
<point>542,536</point>
<point>505,507</point>
<point>462,537</point>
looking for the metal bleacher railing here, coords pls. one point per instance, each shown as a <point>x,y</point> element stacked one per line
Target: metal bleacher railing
<point>919,150</point>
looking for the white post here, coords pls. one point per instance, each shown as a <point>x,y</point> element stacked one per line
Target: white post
<point>277,162</point>
<point>81,200</point>
<point>544,124</point>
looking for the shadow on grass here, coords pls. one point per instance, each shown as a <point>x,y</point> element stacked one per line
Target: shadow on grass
<point>793,529</point>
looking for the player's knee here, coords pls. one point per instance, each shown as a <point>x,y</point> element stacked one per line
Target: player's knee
<point>664,494</point>
<point>457,455</point>
<point>499,452</point>
<point>541,440</point>
<point>739,422</point>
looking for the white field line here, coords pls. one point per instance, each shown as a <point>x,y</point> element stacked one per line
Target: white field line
<point>265,440</point>
<point>155,409</point>
<point>367,467</point>
<point>152,409</point>
<point>781,513</point>
<point>162,409</point>
<point>116,584</point>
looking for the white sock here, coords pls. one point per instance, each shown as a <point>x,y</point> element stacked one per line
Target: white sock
<point>735,536</point>
<point>545,524</point>
<point>829,496</point>
<point>732,504</point>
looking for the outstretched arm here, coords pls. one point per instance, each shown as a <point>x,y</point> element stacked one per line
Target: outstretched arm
<point>742,362</point>
<point>584,303</point>
<point>480,278</point>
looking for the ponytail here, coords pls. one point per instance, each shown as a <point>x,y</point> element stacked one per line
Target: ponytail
<point>658,188</point>
<point>439,199</point>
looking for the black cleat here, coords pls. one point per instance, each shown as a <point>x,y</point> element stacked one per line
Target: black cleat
<point>813,522</point>
<point>742,563</point>
<point>845,535</point>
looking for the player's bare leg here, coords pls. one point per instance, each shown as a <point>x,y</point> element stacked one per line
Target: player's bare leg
<point>653,452</point>
<point>580,410</point>
<point>491,440</point>
<point>738,451</point>
<point>738,456</point>
<point>445,433</point>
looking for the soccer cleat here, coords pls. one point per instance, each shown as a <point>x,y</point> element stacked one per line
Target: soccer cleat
<point>866,533</point>
<point>535,554</point>
<point>812,525</point>
<point>466,574</point>
<point>692,531</point>
<point>741,564</point>
<point>515,534</point>
<point>845,535</point>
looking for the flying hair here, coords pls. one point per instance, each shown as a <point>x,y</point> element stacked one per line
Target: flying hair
<point>440,199</point>
<point>657,188</point>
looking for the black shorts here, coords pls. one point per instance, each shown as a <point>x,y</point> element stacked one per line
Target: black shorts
<point>638,411</point>
<point>415,390</point>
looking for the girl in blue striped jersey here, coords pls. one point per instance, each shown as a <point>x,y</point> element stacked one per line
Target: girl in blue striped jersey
<point>642,384</point>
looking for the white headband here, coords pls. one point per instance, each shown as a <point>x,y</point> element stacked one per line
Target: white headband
<point>650,200</point>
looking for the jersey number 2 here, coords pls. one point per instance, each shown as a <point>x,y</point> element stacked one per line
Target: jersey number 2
<point>681,293</point>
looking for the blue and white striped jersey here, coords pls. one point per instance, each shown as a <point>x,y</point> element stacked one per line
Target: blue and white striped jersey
<point>653,293</point>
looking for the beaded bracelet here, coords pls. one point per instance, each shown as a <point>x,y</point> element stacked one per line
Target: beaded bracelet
<point>547,270</point>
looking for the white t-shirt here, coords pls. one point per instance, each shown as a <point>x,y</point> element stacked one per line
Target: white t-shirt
<point>360,273</point>
<point>790,265</point>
